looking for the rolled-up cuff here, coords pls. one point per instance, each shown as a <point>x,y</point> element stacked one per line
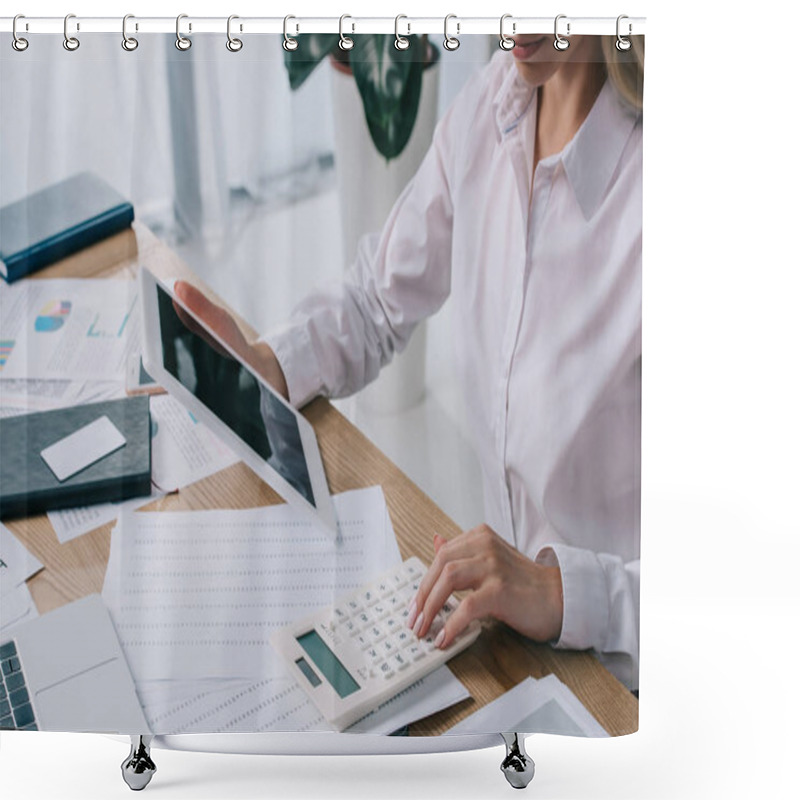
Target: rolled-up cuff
<point>583,582</point>
<point>295,353</point>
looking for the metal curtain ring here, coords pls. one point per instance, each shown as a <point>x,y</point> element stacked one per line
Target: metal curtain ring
<point>451,42</point>
<point>128,42</point>
<point>560,42</point>
<point>181,42</point>
<point>70,42</point>
<point>18,43</point>
<point>623,44</point>
<point>345,42</point>
<point>401,42</point>
<point>233,44</point>
<point>289,44</point>
<point>506,42</point>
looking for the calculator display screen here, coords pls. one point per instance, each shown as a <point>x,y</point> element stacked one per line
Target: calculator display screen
<point>327,663</point>
<point>230,391</point>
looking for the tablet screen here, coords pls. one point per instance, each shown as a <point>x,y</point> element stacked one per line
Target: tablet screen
<point>234,396</point>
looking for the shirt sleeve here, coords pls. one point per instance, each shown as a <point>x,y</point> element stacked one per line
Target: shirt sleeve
<point>340,335</point>
<point>601,605</point>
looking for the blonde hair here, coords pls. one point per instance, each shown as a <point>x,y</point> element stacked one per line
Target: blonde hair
<point>626,69</point>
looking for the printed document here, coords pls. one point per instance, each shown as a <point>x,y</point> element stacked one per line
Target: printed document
<point>279,704</point>
<point>73,329</point>
<point>197,594</point>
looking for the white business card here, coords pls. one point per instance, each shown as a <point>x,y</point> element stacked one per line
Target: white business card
<point>83,448</point>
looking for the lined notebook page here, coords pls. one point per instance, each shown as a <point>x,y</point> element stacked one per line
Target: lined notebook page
<point>197,594</point>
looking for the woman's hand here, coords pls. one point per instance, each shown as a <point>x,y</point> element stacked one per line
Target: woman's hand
<point>505,585</point>
<point>259,355</point>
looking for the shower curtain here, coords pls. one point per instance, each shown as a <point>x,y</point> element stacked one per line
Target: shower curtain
<point>442,238</point>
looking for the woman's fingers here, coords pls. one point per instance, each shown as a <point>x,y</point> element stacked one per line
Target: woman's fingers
<point>474,606</point>
<point>451,550</point>
<point>455,576</point>
<point>214,316</point>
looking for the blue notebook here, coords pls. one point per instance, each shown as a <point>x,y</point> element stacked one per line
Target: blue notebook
<point>57,221</point>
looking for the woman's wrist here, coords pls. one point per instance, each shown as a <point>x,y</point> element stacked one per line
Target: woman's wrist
<point>268,366</point>
<point>555,601</point>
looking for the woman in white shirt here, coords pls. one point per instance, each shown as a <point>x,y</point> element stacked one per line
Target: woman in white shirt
<point>526,213</point>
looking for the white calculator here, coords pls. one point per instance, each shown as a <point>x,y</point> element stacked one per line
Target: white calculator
<point>359,653</point>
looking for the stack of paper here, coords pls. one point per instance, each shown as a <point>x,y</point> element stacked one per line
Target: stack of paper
<point>16,566</point>
<point>196,595</point>
<point>533,706</point>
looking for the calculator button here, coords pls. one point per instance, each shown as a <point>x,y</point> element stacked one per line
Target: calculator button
<point>396,603</point>
<point>399,661</point>
<point>369,597</point>
<point>391,624</point>
<point>384,588</point>
<point>363,673</point>
<point>350,627</point>
<point>414,651</point>
<point>402,638</point>
<point>387,647</point>
<point>376,633</point>
<point>398,580</point>
<point>385,670</point>
<point>353,605</point>
<point>363,641</point>
<point>427,643</point>
<point>380,610</point>
<point>364,619</point>
<point>374,656</point>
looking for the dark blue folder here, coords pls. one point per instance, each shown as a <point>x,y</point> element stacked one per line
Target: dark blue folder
<point>27,486</point>
<point>57,221</point>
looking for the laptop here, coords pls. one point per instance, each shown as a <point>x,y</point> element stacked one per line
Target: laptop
<point>65,671</point>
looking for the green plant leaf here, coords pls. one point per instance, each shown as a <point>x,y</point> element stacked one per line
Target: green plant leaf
<point>311,49</point>
<point>390,83</point>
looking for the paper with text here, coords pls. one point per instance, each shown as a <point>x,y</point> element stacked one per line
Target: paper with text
<point>279,704</point>
<point>74,329</point>
<point>197,594</point>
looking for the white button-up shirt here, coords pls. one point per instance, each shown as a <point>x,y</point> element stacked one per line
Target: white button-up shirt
<point>547,293</point>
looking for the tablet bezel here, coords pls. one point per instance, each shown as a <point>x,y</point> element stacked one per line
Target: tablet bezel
<point>153,359</point>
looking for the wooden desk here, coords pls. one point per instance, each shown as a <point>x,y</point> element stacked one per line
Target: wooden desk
<point>499,659</point>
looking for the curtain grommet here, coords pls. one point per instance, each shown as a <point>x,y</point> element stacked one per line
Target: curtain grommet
<point>401,42</point>
<point>289,44</point>
<point>345,42</point>
<point>233,44</point>
<point>181,42</point>
<point>506,42</point>
<point>560,43</point>
<point>623,44</point>
<point>19,43</point>
<point>451,43</point>
<point>129,43</point>
<point>71,43</point>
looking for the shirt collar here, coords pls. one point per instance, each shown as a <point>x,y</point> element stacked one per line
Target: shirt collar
<point>591,157</point>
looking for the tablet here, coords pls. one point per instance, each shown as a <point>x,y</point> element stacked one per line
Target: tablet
<point>227,395</point>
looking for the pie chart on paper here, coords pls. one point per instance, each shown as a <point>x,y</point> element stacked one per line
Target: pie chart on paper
<point>52,316</point>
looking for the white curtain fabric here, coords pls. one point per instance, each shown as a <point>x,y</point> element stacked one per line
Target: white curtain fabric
<point>173,131</point>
